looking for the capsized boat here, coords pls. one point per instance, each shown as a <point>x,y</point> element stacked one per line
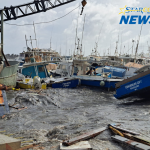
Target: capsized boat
<point>137,85</point>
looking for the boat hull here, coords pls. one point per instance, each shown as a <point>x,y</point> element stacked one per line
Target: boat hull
<point>73,83</point>
<point>137,87</point>
<point>97,83</point>
<point>25,85</point>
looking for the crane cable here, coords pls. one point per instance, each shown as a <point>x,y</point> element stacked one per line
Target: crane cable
<point>44,22</point>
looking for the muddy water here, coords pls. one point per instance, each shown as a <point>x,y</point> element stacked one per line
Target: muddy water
<point>58,114</point>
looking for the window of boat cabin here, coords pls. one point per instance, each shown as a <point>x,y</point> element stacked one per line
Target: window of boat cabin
<point>20,70</point>
<point>41,69</point>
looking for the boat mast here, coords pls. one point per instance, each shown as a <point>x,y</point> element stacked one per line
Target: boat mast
<point>132,46</point>
<point>35,34</point>
<point>116,51</point>
<point>138,43</point>
<point>76,33</point>
<point>148,48</point>
<point>99,36</point>
<point>121,44</point>
<point>82,35</point>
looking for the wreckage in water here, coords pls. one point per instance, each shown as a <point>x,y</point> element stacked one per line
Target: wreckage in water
<point>64,82</point>
<point>38,69</point>
<point>137,85</point>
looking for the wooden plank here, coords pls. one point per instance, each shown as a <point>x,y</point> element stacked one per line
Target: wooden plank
<point>1,98</point>
<point>131,143</point>
<point>125,130</point>
<point>27,147</point>
<point>2,111</point>
<point>138,138</point>
<point>82,137</point>
<point>5,102</point>
<point>83,145</point>
<point>9,143</point>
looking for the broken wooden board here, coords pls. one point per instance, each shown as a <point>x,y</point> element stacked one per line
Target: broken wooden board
<point>138,138</point>
<point>83,145</point>
<point>5,102</point>
<point>1,98</point>
<point>84,136</point>
<point>124,130</point>
<point>27,147</point>
<point>9,143</point>
<point>131,143</point>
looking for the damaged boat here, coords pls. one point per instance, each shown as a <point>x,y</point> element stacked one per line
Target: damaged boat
<point>137,85</point>
<point>100,76</point>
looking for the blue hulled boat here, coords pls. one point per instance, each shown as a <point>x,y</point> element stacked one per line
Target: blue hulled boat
<point>98,81</point>
<point>34,69</point>
<point>65,83</point>
<point>138,85</point>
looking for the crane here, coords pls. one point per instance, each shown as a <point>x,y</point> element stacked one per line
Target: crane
<point>37,6</point>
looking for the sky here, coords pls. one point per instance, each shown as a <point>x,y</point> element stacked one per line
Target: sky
<point>101,25</point>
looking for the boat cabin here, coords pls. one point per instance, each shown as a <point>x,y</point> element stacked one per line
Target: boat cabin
<point>34,69</point>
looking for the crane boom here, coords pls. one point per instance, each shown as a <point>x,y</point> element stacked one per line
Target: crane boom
<point>37,6</point>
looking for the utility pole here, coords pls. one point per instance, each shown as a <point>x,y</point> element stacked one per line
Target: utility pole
<point>2,32</point>
<point>2,40</point>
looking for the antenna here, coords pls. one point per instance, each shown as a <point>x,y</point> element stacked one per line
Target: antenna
<point>50,43</point>
<point>60,50</point>
<point>66,46</point>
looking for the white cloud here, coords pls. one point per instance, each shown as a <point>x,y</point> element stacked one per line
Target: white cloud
<point>62,31</point>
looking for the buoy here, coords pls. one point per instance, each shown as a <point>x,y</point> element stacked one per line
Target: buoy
<point>102,83</point>
<point>37,82</point>
<point>16,89</point>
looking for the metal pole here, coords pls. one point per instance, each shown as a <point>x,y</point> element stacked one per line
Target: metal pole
<point>35,34</point>
<point>2,33</point>
<point>2,44</point>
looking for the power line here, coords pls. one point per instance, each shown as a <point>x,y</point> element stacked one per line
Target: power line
<point>44,22</point>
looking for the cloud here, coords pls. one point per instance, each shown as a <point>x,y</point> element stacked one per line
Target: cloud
<point>102,20</point>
